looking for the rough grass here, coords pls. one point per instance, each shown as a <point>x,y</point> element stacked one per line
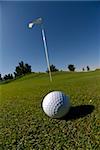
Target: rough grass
<point>24,126</point>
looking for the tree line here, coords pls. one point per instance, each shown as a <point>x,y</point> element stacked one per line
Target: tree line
<point>20,70</point>
<point>70,67</point>
<point>24,68</point>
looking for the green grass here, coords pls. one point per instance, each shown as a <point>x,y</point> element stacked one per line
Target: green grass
<point>24,125</point>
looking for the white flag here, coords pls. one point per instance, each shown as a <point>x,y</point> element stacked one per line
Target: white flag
<point>34,22</point>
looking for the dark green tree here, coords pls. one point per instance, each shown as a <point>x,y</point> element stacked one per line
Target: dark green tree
<point>52,68</point>
<point>88,68</point>
<point>15,74</point>
<point>18,71</point>
<point>8,77</point>
<point>11,76</point>
<point>0,77</point>
<point>22,69</point>
<point>71,67</point>
<point>83,69</point>
<point>5,77</point>
<point>27,68</point>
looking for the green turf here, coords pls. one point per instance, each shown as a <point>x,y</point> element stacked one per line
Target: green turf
<point>24,125</point>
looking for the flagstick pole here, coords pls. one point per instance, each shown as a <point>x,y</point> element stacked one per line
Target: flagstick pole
<point>46,52</point>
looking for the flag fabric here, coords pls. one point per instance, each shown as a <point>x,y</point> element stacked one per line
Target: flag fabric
<point>34,22</point>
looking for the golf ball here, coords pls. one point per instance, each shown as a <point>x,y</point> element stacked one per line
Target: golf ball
<point>56,104</point>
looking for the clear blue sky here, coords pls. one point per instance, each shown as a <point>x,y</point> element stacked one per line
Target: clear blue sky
<point>72,31</point>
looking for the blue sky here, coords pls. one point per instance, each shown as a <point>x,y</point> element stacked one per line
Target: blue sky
<point>72,31</point>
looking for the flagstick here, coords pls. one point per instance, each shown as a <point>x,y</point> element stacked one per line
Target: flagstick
<point>46,53</point>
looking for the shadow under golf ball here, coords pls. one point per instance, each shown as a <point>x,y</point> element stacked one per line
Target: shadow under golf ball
<point>77,112</point>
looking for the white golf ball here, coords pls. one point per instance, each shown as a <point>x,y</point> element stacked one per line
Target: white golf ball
<point>56,104</point>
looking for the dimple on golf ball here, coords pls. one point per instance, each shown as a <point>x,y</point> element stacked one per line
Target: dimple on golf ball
<point>56,104</point>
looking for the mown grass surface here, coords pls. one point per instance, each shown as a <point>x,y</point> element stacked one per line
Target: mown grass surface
<point>24,126</point>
